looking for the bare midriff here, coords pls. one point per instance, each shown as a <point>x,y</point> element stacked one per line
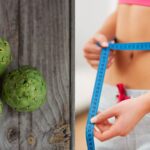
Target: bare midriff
<point>132,68</point>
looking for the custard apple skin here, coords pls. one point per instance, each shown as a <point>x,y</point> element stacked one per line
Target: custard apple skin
<point>5,55</point>
<point>24,89</point>
<point>1,107</point>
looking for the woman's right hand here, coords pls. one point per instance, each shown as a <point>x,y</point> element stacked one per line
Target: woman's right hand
<point>92,50</point>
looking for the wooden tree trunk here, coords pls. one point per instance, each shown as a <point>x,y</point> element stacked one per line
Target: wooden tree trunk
<point>40,33</point>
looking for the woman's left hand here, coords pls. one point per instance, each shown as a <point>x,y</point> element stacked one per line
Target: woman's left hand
<point>127,114</point>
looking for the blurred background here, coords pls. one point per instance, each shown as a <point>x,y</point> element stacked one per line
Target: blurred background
<point>89,17</point>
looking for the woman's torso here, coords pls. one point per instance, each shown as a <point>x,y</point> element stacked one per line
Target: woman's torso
<point>131,68</point>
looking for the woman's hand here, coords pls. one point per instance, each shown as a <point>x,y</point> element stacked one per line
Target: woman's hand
<point>92,51</point>
<point>127,114</point>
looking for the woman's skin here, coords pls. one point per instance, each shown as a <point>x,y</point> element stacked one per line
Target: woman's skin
<point>132,25</point>
<point>129,23</point>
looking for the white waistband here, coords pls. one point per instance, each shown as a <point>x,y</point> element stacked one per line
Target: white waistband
<point>130,92</point>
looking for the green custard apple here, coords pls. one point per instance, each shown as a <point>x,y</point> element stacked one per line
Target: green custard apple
<point>5,55</point>
<point>1,106</point>
<point>24,89</point>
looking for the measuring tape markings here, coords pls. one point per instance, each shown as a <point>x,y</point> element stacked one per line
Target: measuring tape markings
<point>99,82</point>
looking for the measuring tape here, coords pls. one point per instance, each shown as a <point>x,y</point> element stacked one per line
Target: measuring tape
<point>99,82</point>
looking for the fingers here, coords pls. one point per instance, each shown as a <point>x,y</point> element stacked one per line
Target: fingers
<point>92,48</point>
<point>91,56</point>
<point>103,126</point>
<point>93,60</point>
<point>107,134</point>
<point>109,113</point>
<point>114,130</point>
<point>104,130</point>
<point>101,39</point>
<point>93,63</point>
<point>106,122</point>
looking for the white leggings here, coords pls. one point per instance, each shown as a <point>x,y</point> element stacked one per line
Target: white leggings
<point>139,137</point>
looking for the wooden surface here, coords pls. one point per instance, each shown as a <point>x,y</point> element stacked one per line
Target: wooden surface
<point>40,34</point>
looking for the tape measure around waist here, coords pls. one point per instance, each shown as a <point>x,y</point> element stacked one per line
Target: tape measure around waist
<point>99,82</point>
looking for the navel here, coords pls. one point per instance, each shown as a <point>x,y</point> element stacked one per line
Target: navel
<point>131,55</point>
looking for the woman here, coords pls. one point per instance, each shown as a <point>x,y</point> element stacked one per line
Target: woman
<point>129,23</point>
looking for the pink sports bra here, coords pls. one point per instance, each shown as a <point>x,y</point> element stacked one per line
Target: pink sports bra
<point>136,2</point>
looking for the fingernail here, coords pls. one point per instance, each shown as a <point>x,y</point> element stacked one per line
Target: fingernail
<point>94,119</point>
<point>96,128</point>
<point>104,44</point>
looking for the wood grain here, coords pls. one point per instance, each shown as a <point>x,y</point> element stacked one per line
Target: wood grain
<point>9,128</point>
<point>40,34</point>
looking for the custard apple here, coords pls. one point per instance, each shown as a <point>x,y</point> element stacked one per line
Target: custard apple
<point>1,107</point>
<point>5,55</point>
<point>24,89</point>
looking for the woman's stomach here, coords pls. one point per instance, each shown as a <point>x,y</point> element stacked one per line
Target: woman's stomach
<point>131,67</point>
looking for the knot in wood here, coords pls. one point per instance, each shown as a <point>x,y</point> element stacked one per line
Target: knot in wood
<point>31,139</point>
<point>12,134</point>
<point>60,135</point>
